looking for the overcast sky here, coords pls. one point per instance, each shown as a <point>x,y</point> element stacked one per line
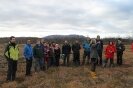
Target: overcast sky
<point>38,18</point>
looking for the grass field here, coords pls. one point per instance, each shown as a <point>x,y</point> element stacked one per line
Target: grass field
<point>71,77</point>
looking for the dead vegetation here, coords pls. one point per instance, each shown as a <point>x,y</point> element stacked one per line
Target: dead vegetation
<point>73,77</point>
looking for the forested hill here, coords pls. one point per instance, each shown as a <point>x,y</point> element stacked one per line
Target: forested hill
<point>61,38</point>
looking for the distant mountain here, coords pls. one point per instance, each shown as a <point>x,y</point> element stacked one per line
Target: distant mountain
<point>62,38</point>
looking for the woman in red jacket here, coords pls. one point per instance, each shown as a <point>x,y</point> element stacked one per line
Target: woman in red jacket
<point>109,53</point>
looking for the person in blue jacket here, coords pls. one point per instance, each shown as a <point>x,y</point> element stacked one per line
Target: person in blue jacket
<point>28,54</point>
<point>86,47</point>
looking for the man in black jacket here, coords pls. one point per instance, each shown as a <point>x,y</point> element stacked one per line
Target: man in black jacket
<point>120,49</point>
<point>99,49</point>
<point>66,50</point>
<point>76,53</point>
<point>38,53</point>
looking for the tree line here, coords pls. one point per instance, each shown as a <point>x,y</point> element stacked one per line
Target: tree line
<point>61,38</point>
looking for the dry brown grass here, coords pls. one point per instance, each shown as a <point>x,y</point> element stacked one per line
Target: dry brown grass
<point>73,77</point>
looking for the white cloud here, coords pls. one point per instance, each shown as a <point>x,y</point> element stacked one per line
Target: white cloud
<point>47,17</point>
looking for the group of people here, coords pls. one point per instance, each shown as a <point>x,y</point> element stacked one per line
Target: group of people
<point>46,55</point>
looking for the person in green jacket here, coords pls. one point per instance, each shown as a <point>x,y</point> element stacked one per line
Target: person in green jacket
<point>12,54</point>
<point>38,53</point>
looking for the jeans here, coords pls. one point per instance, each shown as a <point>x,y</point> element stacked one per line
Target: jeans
<point>66,59</point>
<point>86,54</point>
<point>39,64</point>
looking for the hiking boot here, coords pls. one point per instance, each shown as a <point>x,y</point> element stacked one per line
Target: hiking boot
<point>94,77</point>
<point>93,74</point>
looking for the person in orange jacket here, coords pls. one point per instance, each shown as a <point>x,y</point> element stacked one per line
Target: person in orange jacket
<point>132,47</point>
<point>109,53</point>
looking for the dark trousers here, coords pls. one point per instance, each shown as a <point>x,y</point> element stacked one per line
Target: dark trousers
<point>57,60</point>
<point>39,64</point>
<point>76,56</point>
<point>119,58</point>
<point>100,58</point>
<point>28,66</point>
<point>51,61</point>
<point>66,59</point>
<point>93,64</point>
<point>86,54</point>
<point>12,68</point>
<point>111,62</point>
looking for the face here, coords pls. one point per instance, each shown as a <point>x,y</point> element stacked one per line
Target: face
<point>119,42</point>
<point>42,40</point>
<point>98,37</point>
<point>38,42</point>
<point>28,42</point>
<point>110,43</point>
<point>13,40</point>
<point>54,44</point>
<point>48,45</point>
<point>66,42</point>
<point>77,41</point>
<point>45,44</point>
<point>57,45</point>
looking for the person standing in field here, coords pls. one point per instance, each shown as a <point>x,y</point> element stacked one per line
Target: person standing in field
<point>66,50</point>
<point>38,53</point>
<point>94,57</point>
<point>120,49</point>
<point>99,49</point>
<point>57,52</point>
<point>86,47</point>
<point>12,55</point>
<point>46,54</point>
<point>51,55</point>
<point>28,54</point>
<point>132,47</point>
<point>76,53</point>
<point>109,54</point>
<point>53,45</point>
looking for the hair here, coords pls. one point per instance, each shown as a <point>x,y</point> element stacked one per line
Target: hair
<point>50,44</point>
<point>93,41</point>
<point>12,37</point>
<point>120,39</point>
<point>111,42</point>
<point>98,36</point>
<point>44,42</point>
